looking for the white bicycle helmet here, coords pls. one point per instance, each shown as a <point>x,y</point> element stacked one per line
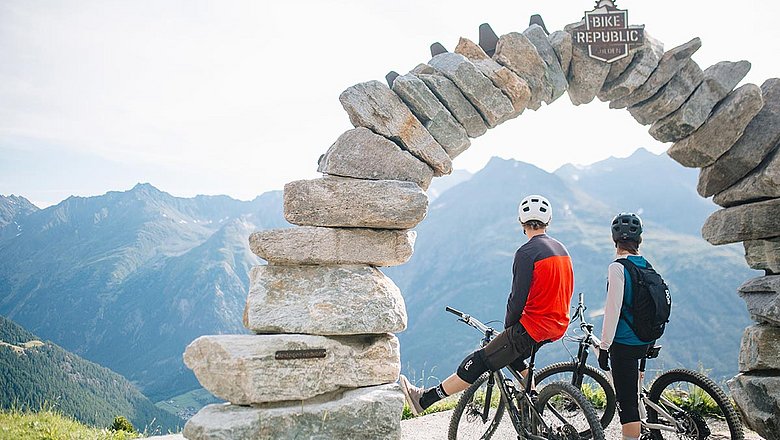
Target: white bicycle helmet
<point>535,207</point>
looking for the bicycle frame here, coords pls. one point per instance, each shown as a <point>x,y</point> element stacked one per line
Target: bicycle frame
<point>523,418</point>
<point>592,342</point>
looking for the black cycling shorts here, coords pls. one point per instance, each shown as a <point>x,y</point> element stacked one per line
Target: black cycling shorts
<point>624,360</point>
<point>511,347</point>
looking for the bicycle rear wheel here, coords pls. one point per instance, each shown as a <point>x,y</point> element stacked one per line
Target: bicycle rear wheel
<point>695,402</point>
<point>595,387</point>
<point>565,412</point>
<point>468,421</point>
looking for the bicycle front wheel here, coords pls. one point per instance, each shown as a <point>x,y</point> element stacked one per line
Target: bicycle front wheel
<point>595,386</point>
<point>694,405</point>
<point>565,413</point>
<point>474,417</point>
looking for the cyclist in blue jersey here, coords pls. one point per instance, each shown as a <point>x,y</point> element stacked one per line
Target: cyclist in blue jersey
<point>620,346</point>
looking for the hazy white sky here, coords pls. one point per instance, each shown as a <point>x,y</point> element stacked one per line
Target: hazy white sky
<point>240,97</point>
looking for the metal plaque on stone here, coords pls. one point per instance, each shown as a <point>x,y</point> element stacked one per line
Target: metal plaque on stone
<point>607,34</point>
<point>313,353</point>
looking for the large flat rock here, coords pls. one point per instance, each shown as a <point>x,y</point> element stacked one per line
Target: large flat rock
<point>760,348</point>
<point>753,221</point>
<point>432,113</point>
<point>722,129</point>
<point>562,44</point>
<point>374,106</point>
<point>554,75</point>
<point>762,297</point>
<point>758,398</point>
<point>761,183</point>
<point>452,98</point>
<point>670,97</point>
<point>363,414</point>
<point>488,99</point>
<point>719,80</point>
<point>760,138</point>
<point>763,254</point>
<point>250,369</point>
<point>514,87</point>
<point>353,203</point>
<point>642,65</point>
<point>361,154</point>
<point>519,55</point>
<point>671,62</point>
<point>586,75</point>
<point>323,300</point>
<point>333,246</point>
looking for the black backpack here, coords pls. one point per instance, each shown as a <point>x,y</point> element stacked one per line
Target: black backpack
<point>652,302</point>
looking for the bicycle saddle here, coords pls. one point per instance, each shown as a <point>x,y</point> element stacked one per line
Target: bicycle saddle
<point>652,352</point>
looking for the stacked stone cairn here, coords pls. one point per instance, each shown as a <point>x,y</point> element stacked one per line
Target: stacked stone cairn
<point>323,360</point>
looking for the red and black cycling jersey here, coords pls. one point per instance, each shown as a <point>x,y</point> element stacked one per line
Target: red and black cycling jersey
<point>542,286</point>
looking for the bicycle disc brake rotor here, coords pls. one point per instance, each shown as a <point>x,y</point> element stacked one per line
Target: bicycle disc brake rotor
<point>473,413</point>
<point>695,426</point>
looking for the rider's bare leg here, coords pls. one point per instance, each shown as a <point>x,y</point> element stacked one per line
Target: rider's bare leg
<point>632,430</point>
<point>454,384</point>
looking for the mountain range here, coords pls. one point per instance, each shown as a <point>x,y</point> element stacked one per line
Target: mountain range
<point>128,279</point>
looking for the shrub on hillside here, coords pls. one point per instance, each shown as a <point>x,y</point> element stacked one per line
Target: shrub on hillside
<point>122,424</point>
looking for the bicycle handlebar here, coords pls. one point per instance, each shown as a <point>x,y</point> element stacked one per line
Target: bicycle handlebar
<point>470,320</point>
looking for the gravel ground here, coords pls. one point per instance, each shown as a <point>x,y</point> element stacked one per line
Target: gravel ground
<point>435,426</point>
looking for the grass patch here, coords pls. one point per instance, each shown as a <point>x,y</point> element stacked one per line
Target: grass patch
<point>694,400</point>
<point>50,425</point>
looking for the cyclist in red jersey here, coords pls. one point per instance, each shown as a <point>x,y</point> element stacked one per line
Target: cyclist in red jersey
<point>537,310</point>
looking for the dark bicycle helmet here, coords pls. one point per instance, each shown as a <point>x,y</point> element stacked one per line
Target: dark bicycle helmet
<point>626,226</point>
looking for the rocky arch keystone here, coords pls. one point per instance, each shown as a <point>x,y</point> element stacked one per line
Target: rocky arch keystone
<point>341,366</point>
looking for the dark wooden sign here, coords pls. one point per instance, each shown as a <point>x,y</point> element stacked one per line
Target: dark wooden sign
<point>607,34</point>
<point>312,353</point>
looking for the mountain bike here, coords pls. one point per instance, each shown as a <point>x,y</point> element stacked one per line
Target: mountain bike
<point>677,405</point>
<point>558,411</point>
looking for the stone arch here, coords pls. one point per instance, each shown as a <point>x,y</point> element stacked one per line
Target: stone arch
<point>314,357</point>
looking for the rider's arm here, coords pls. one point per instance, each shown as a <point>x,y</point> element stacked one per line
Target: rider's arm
<point>615,281</point>
<point>522,271</point>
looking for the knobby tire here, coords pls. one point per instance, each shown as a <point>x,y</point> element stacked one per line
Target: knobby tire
<point>708,386</point>
<point>597,376</point>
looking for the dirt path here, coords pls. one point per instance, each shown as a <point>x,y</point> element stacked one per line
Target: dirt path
<point>435,426</point>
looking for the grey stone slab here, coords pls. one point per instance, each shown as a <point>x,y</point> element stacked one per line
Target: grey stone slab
<point>753,221</point>
<point>372,413</point>
<point>361,154</point>
<point>514,87</point>
<point>374,106</point>
<point>491,103</point>
<point>642,65</point>
<point>323,300</point>
<point>670,97</point>
<point>432,114</point>
<point>353,203</point>
<point>671,62</point>
<point>618,67</point>
<point>758,398</point>
<point>722,129</point>
<point>760,348</point>
<point>762,297</point>
<point>763,255</point>
<point>761,183</point>
<point>460,107</point>
<point>586,75</point>
<point>561,42</point>
<point>554,75</point>
<point>759,139</point>
<point>719,80</point>
<point>332,246</point>
<point>247,369</point>
<point>519,55</point>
